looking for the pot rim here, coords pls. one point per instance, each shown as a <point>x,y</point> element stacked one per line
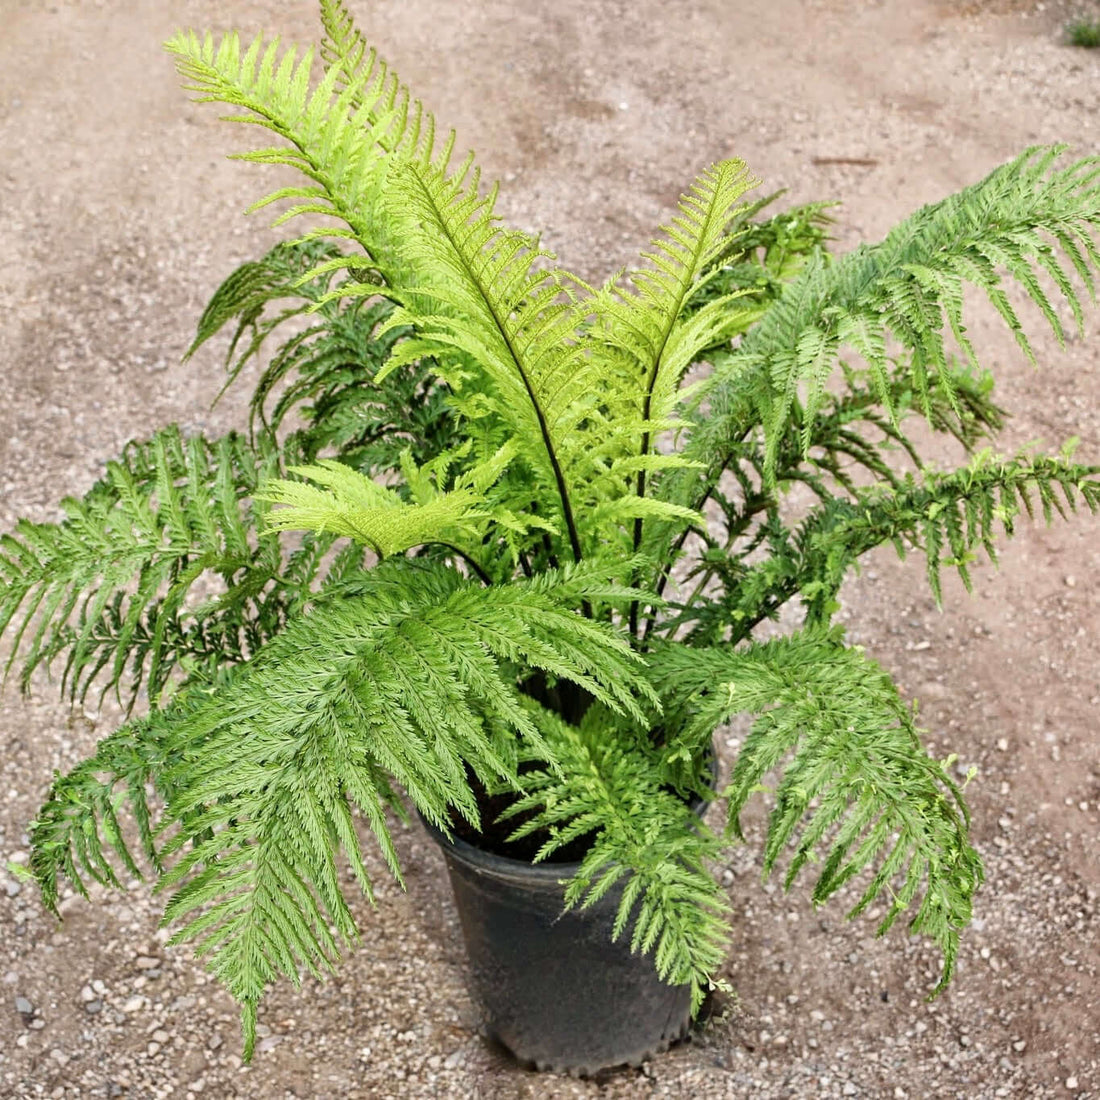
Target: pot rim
<point>507,869</point>
<point>501,867</point>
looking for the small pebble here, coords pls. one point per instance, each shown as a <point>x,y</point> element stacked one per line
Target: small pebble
<point>1071,1083</point>
<point>147,962</point>
<point>93,1007</point>
<point>24,1006</point>
<point>133,1004</point>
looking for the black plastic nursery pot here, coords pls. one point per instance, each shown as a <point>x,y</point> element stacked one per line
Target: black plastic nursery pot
<point>555,990</point>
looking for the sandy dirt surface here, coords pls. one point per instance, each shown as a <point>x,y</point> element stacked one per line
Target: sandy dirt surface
<point>119,215</point>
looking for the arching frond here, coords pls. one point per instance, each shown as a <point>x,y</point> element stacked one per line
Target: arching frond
<point>909,287</point>
<point>399,679</point>
<point>857,790</point>
<point>109,586</point>
<point>341,134</point>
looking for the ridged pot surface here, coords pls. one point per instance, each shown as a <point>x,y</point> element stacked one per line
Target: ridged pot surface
<point>555,989</point>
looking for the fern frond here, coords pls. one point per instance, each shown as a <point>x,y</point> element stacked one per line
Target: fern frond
<point>79,821</point>
<point>397,677</point>
<point>352,505</point>
<point>493,306</point>
<point>857,790</point>
<point>652,325</point>
<point>910,287</point>
<point>109,585</point>
<point>946,516</point>
<point>326,373</point>
<point>340,135</point>
<point>246,293</point>
<point>648,845</point>
<point>652,322</point>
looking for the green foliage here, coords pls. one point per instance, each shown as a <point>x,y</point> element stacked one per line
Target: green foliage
<point>856,786</point>
<point>110,585</point>
<point>1084,33</point>
<point>909,288</point>
<point>611,785</point>
<point>327,373</point>
<point>498,472</point>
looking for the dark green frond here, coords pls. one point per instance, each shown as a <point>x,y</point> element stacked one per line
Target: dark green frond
<point>78,825</point>
<point>112,587</point>
<point>946,516</point>
<point>327,373</point>
<point>857,791</point>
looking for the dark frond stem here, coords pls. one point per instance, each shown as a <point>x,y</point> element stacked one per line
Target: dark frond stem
<point>502,328</point>
<point>481,574</point>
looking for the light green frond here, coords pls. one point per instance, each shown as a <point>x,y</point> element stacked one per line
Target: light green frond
<point>515,323</point>
<point>650,324</point>
<point>348,503</point>
<point>341,134</point>
<point>649,321</point>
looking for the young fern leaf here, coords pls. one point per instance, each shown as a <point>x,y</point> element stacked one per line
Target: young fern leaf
<point>356,507</point>
<point>342,140</point>
<point>857,791</point>
<point>646,841</point>
<point>489,303</point>
<point>652,323</point>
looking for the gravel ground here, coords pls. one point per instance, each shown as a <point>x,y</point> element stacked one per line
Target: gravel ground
<point>119,215</point>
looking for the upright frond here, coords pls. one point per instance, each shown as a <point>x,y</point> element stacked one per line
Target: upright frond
<point>651,322</point>
<point>341,134</point>
<point>515,323</point>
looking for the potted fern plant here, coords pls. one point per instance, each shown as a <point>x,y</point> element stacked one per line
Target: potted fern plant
<point>484,551</point>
